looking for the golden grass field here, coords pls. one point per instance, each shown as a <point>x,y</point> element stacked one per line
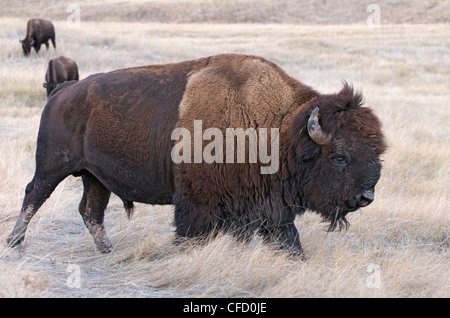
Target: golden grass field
<point>396,247</point>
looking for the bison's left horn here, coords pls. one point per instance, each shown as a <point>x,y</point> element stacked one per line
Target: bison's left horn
<point>315,131</point>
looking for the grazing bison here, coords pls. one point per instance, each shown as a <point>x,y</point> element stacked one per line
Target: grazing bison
<point>60,69</point>
<point>39,31</point>
<point>116,131</point>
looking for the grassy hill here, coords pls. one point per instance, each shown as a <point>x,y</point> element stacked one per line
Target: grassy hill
<point>237,11</point>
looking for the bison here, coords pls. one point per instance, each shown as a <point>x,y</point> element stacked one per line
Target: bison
<point>60,69</point>
<point>39,31</point>
<point>116,131</point>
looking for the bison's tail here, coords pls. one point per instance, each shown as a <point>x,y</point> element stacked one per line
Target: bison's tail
<point>129,208</point>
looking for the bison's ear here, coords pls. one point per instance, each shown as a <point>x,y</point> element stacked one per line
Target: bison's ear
<point>45,85</point>
<point>349,97</point>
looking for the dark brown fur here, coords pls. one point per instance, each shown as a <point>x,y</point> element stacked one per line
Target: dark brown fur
<point>114,130</point>
<point>60,69</point>
<point>39,31</point>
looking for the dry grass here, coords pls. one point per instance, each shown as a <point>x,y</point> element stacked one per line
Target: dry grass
<point>236,11</point>
<point>403,71</point>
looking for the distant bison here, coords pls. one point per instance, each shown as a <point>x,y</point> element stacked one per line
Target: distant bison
<point>60,69</point>
<point>119,131</point>
<point>39,31</point>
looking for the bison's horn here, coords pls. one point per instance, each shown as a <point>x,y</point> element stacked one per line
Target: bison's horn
<point>315,131</point>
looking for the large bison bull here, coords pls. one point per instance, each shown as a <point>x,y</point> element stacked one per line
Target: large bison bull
<point>39,31</point>
<point>129,132</point>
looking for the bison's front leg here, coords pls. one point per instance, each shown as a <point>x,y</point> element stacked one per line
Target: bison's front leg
<point>286,236</point>
<point>37,47</point>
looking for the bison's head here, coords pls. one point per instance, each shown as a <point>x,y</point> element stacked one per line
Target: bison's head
<point>50,86</point>
<point>337,145</point>
<point>26,46</point>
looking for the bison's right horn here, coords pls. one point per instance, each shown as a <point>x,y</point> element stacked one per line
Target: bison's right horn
<point>315,131</point>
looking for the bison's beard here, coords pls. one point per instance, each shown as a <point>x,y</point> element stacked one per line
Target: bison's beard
<point>336,218</point>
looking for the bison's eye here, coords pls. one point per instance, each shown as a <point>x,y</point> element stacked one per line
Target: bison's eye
<point>340,159</point>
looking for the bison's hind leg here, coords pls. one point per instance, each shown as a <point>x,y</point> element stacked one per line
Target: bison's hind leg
<point>52,38</point>
<point>92,209</point>
<point>36,193</point>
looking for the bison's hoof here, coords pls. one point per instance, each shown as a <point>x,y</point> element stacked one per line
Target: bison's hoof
<point>105,249</point>
<point>13,240</point>
<point>300,255</point>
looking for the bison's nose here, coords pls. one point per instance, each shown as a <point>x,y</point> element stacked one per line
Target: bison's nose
<point>366,198</point>
<point>361,200</point>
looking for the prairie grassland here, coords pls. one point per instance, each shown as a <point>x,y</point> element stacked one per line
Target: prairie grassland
<point>396,247</point>
<point>234,11</point>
